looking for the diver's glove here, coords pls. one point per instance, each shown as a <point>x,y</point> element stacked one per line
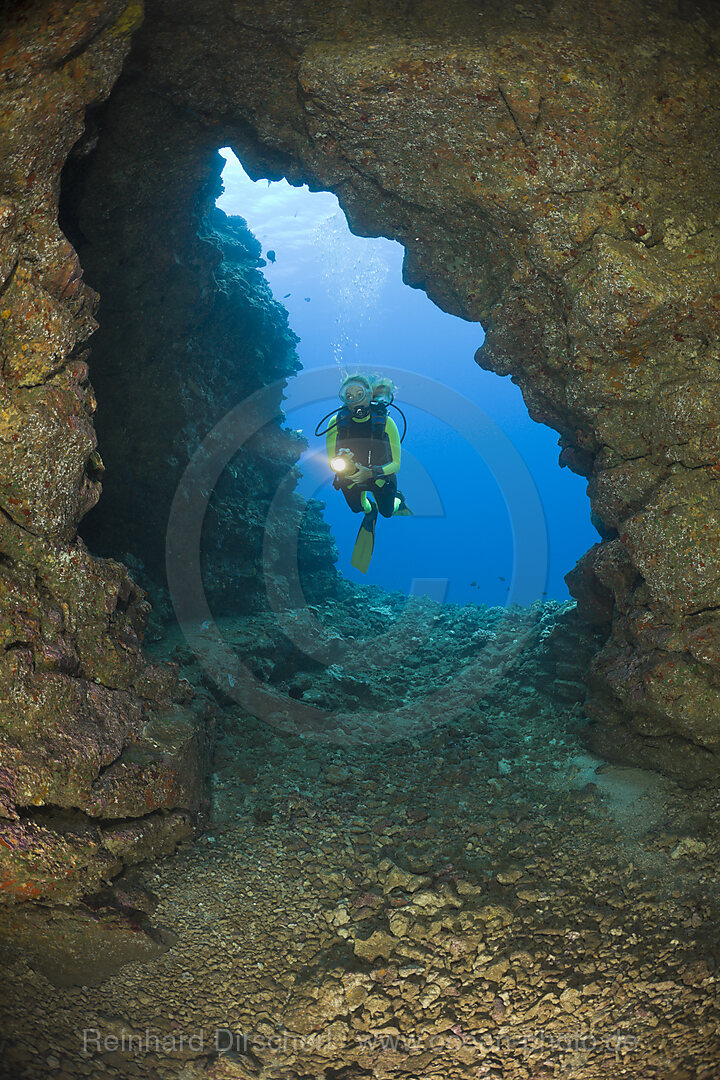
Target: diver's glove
<point>361,475</point>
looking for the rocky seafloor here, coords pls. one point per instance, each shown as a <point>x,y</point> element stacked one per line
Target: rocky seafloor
<point>428,882</point>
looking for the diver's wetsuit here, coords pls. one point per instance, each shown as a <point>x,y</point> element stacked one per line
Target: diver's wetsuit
<point>374,445</point>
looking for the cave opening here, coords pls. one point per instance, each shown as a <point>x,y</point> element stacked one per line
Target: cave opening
<point>326,654</point>
<point>208,334</point>
<point>359,316</point>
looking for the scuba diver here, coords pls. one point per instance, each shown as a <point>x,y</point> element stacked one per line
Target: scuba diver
<point>363,448</point>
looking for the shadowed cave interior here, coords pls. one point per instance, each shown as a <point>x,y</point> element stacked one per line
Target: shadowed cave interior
<point>379,837</point>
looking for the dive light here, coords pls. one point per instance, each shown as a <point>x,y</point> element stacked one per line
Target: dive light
<point>343,462</point>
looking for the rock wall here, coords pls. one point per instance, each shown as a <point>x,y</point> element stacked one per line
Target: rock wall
<point>188,328</point>
<point>102,760</point>
<point>551,170</point>
<point>104,754</point>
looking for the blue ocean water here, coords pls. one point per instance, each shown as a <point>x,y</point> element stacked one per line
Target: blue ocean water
<point>495,517</point>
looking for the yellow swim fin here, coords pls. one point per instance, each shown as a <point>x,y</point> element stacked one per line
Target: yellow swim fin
<point>362,552</point>
<point>401,507</point>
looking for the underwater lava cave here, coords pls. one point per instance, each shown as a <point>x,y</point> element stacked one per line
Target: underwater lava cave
<point>472,190</point>
<point>370,908</point>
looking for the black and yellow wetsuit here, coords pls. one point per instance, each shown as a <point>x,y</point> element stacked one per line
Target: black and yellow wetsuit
<point>375,442</point>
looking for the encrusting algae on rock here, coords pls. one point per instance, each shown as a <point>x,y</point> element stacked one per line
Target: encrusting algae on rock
<point>385,893</point>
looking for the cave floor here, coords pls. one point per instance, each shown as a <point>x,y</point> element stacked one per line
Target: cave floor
<point>484,900</point>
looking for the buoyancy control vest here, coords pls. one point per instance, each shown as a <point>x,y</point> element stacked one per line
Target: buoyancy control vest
<point>367,440</point>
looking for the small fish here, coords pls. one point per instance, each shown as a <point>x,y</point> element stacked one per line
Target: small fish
<point>286,295</point>
<point>473,583</point>
<point>271,256</point>
<point>307,299</point>
<point>500,578</point>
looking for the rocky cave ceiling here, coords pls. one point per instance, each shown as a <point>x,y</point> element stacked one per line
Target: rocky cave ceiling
<point>551,169</point>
